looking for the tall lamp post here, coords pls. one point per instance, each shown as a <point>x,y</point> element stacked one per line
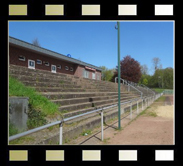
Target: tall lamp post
<point>119,76</point>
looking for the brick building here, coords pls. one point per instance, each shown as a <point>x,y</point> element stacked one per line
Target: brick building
<point>28,55</point>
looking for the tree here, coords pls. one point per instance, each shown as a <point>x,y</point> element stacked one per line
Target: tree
<point>130,69</point>
<point>168,78</point>
<point>145,81</point>
<point>163,78</point>
<point>144,69</point>
<point>36,42</point>
<point>107,74</point>
<point>156,63</point>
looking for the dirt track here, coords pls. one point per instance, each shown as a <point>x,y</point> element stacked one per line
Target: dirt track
<point>145,130</point>
<point>154,127</point>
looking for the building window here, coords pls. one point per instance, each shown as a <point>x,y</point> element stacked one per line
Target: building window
<point>98,77</point>
<point>21,58</point>
<point>71,68</point>
<point>66,68</point>
<point>39,62</point>
<point>31,64</point>
<point>85,73</point>
<point>59,66</point>
<point>53,68</point>
<point>47,64</point>
<point>93,75</point>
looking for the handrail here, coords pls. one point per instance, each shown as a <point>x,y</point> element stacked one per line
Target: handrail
<point>64,120</point>
<point>73,117</point>
<point>130,85</point>
<point>148,88</point>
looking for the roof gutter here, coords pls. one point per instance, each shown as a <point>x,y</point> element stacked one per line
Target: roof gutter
<point>49,53</point>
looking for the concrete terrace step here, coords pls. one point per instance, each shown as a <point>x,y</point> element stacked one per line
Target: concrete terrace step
<point>63,102</point>
<point>37,74</point>
<point>42,79</point>
<point>75,127</point>
<point>84,118</point>
<point>101,90</point>
<point>33,72</point>
<point>49,84</point>
<point>89,104</point>
<point>58,89</point>
<point>62,95</point>
<point>96,114</point>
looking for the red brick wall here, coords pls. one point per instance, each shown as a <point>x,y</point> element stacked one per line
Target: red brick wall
<point>79,71</point>
<point>15,52</point>
<point>98,73</point>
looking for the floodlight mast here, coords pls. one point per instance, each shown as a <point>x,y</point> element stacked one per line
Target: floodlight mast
<point>119,76</point>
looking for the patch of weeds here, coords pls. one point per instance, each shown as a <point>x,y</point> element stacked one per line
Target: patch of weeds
<point>50,142</point>
<point>21,140</point>
<point>110,120</point>
<point>64,111</point>
<point>161,99</point>
<point>106,140</point>
<point>152,114</point>
<point>13,130</point>
<point>117,129</point>
<point>51,128</point>
<point>36,118</point>
<point>142,113</point>
<point>61,82</point>
<point>86,132</point>
<point>66,140</point>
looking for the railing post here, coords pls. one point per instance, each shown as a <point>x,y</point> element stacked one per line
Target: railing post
<point>137,107</point>
<point>131,110</point>
<point>147,101</point>
<point>61,131</point>
<point>142,105</point>
<point>102,127</point>
<point>122,109</point>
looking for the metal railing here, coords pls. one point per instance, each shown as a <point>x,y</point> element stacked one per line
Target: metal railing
<point>148,88</point>
<point>147,100</point>
<point>129,85</point>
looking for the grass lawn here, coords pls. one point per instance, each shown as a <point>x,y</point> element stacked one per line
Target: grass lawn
<point>159,90</point>
<point>36,100</point>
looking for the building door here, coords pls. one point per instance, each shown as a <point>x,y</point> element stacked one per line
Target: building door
<point>53,68</point>
<point>31,64</point>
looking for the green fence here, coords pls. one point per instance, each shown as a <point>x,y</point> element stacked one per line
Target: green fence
<point>168,92</point>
